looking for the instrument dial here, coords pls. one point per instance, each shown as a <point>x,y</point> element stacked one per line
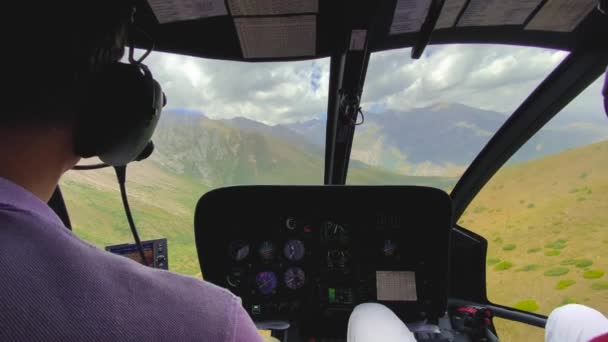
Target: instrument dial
<point>335,232</point>
<point>291,223</point>
<point>294,278</point>
<point>390,248</point>
<point>294,250</point>
<point>234,278</point>
<point>266,282</point>
<point>266,251</point>
<point>239,250</point>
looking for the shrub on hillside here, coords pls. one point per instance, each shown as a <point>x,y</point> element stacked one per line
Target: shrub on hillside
<point>565,283</point>
<point>492,261</point>
<point>503,265</point>
<point>509,247</point>
<point>600,285</point>
<point>527,305</point>
<point>593,274</point>
<point>556,271</point>
<point>528,268</point>
<point>582,263</point>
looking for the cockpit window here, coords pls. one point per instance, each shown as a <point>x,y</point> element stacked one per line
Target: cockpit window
<point>427,119</point>
<point>544,215</point>
<point>226,123</point>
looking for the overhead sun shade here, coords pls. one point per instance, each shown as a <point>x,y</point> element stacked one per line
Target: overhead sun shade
<point>561,15</point>
<point>167,11</point>
<point>409,15</point>
<point>266,37</point>
<point>272,7</point>
<point>497,12</point>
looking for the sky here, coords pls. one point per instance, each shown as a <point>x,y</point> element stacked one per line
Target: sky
<point>489,77</point>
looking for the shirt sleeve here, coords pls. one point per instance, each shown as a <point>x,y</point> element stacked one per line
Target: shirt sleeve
<point>245,330</point>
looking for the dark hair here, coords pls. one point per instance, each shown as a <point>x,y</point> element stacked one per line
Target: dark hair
<point>52,47</point>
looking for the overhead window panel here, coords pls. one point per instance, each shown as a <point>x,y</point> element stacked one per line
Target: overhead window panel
<point>449,13</point>
<point>167,11</point>
<point>561,15</point>
<point>272,7</point>
<point>409,16</point>
<point>292,36</point>
<point>497,12</point>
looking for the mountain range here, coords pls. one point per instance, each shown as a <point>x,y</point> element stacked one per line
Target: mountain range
<point>243,151</point>
<point>439,140</point>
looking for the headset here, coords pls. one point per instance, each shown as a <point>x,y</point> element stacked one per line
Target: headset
<point>120,109</point>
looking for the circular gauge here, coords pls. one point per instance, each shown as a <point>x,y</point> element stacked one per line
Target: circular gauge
<point>294,250</point>
<point>239,250</point>
<point>335,232</point>
<point>390,248</point>
<point>266,251</point>
<point>294,278</point>
<point>234,278</point>
<point>266,282</point>
<point>291,223</point>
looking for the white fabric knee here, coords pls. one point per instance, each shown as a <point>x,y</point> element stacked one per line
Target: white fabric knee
<point>372,322</point>
<point>575,323</point>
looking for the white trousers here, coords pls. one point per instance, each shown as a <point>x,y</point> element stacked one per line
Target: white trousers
<point>575,323</point>
<point>372,322</point>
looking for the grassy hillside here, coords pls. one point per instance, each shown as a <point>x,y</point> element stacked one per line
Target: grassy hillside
<point>162,205</point>
<point>547,225</point>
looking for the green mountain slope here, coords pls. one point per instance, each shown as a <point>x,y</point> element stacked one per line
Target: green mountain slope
<point>546,222</point>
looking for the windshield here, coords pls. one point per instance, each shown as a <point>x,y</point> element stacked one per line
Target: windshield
<point>230,123</point>
<point>427,119</point>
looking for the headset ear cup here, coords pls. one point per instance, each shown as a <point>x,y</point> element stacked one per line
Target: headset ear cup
<point>119,114</point>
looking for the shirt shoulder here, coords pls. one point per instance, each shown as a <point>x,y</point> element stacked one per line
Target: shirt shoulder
<point>86,288</point>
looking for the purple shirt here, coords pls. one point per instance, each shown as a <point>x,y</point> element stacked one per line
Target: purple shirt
<point>56,287</point>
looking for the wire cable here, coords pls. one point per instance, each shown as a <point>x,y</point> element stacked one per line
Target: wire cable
<point>121,175</point>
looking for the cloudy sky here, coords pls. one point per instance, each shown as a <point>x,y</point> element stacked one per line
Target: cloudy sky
<point>484,76</point>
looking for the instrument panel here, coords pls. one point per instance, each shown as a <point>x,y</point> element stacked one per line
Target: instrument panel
<point>310,254</point>
<point>155,252</point>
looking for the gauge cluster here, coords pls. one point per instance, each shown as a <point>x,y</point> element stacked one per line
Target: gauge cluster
<point>270,265</point>
<point>309,255</point>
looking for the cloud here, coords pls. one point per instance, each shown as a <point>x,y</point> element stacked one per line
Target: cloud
<point>266,92</point>
<point>484,76</point>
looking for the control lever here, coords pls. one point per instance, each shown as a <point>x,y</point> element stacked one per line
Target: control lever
<point>474,321</point>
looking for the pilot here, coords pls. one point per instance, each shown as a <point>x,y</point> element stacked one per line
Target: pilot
<point>55,286</point>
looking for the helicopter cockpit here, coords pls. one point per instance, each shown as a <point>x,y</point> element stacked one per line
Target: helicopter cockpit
<point>302,257</point>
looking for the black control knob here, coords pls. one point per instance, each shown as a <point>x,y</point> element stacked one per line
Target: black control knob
<point>161,260</point>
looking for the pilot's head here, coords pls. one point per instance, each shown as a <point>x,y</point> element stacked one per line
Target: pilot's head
<point>52,45</point>
<point>48,49</point>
